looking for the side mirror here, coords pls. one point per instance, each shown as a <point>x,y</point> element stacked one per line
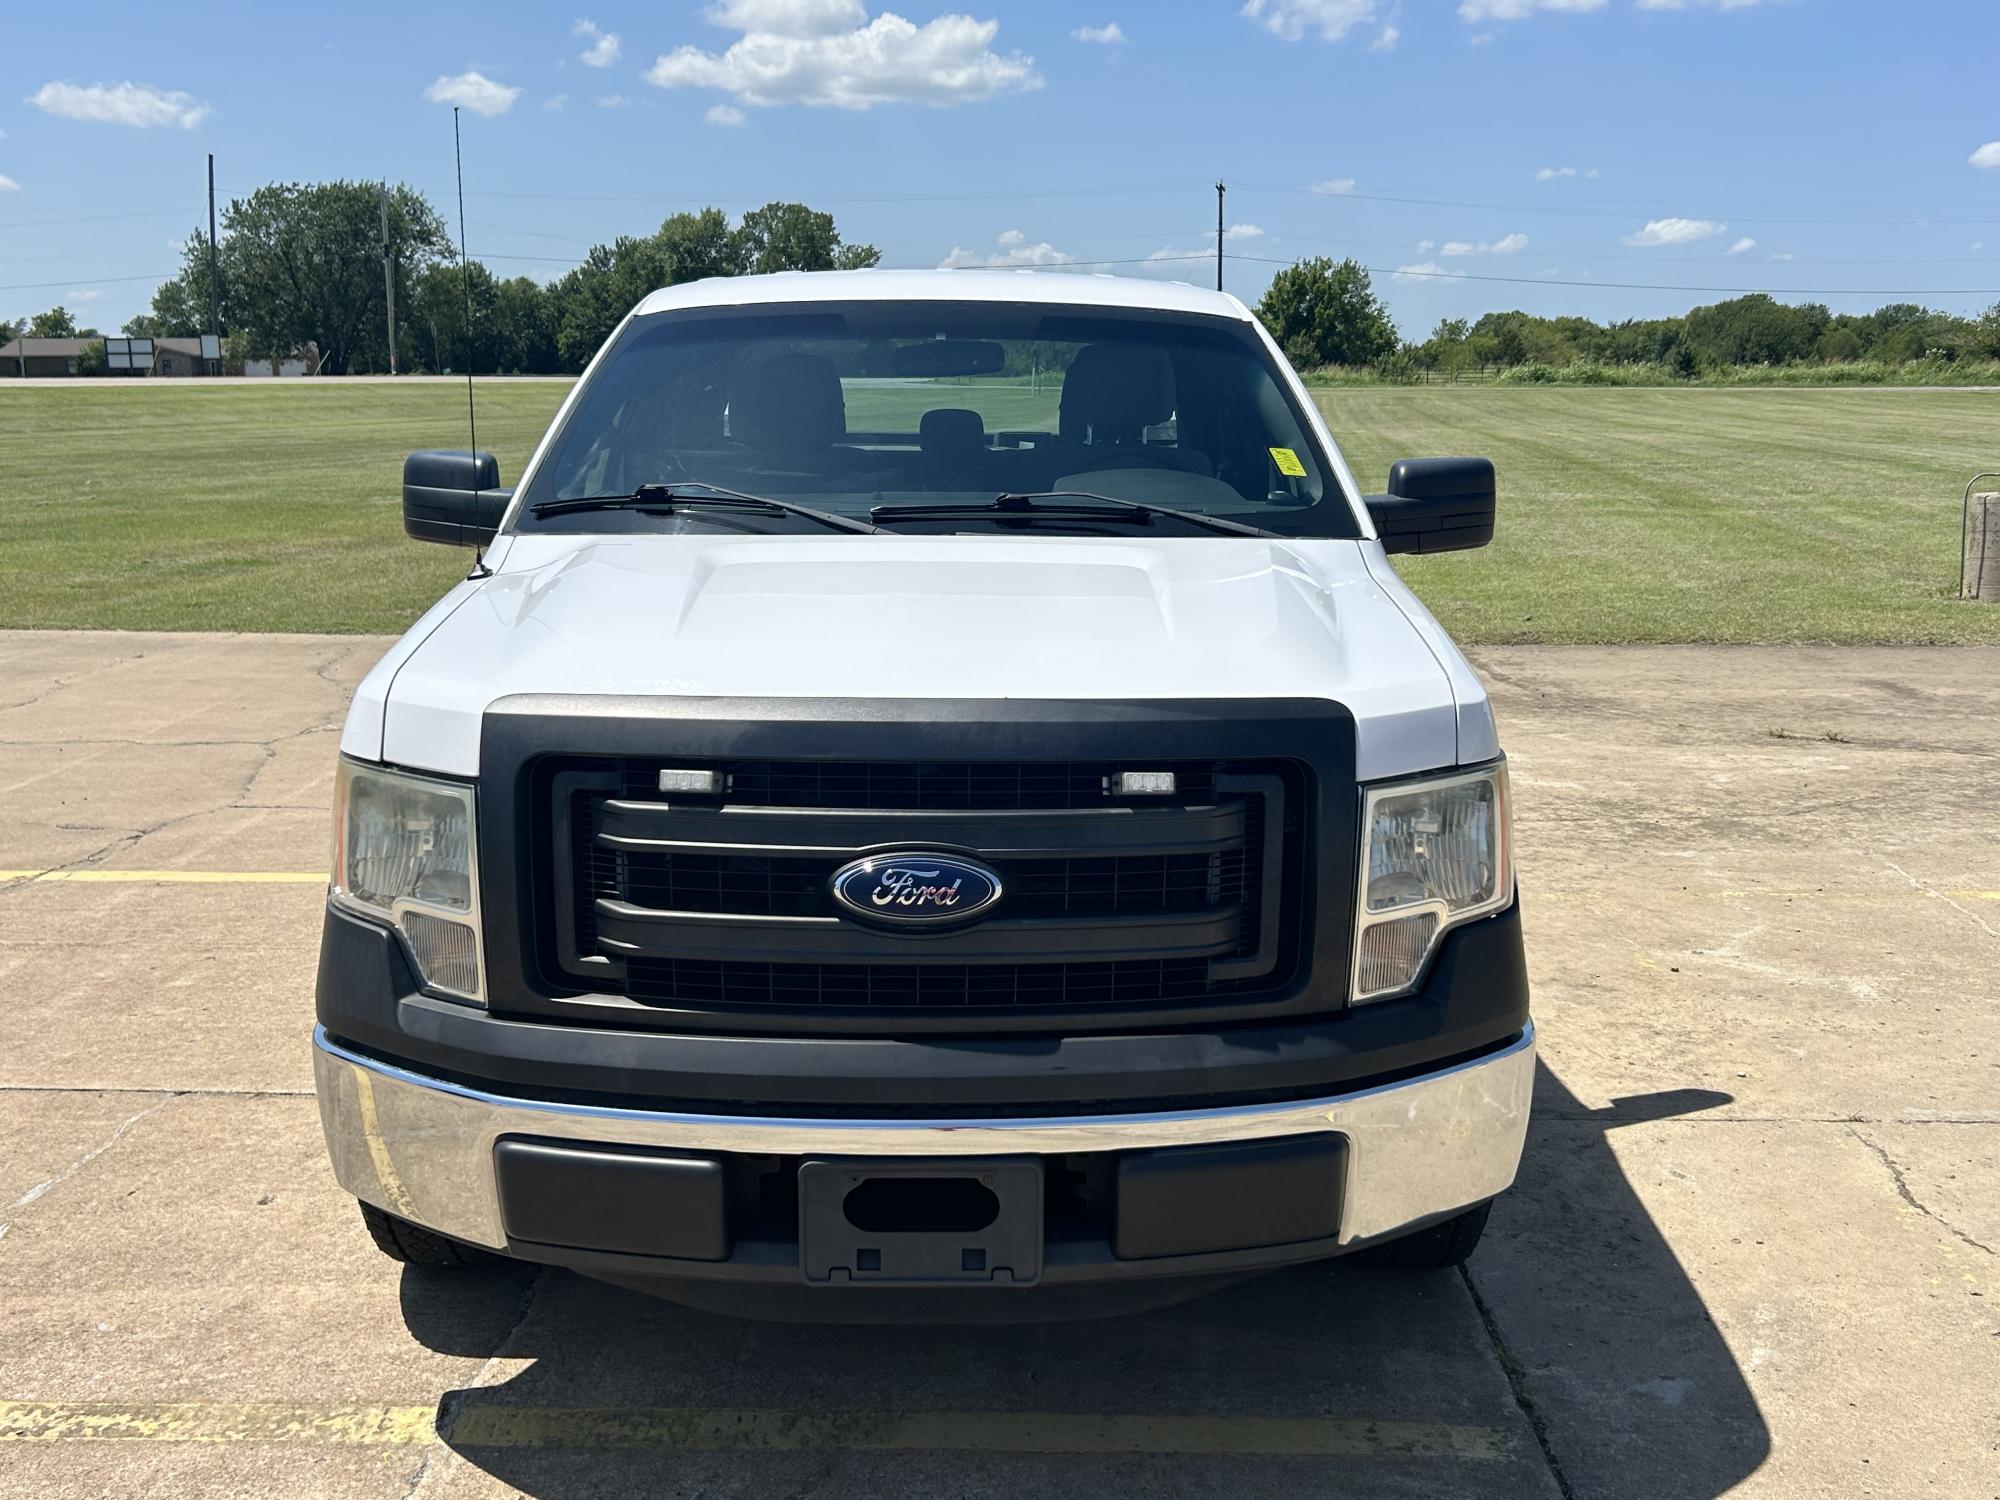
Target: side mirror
<point>1436,505</point>
<point>453,497</point>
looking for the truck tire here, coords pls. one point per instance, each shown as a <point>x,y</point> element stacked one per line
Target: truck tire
<point>1437,1247</point>
<point>414,1245</point>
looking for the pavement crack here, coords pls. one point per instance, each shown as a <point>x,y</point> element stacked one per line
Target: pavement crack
<point>1903,1192</point>
<point>453,1402</point>
<point>42,1189</point>
<point>1937,895</point>
<point>1517,1383</point>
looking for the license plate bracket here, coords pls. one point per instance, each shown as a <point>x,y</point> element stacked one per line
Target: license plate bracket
<point>899,1221</point>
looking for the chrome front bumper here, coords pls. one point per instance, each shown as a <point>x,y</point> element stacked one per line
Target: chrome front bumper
<point>1418,1150</point>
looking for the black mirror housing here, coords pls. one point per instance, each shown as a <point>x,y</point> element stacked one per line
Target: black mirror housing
<point>453,497</point>
<point>1436,505</point>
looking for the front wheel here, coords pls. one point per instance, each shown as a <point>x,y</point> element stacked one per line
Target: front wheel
<point>1436,1247</point>
<point>414,1245</point>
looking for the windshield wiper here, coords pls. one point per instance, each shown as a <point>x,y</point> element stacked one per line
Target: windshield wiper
<point>672,497</point>
<point>1032,504</point>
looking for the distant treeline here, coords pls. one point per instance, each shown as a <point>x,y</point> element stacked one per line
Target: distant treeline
<point>1745,340</point>
<point>301,264</point>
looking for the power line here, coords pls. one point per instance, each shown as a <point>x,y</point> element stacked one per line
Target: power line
<point>36,286</point>
<point>1558,210</point>
<point>1648,286</point>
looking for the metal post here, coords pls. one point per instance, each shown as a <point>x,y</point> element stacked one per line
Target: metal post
<point>214,285</point>
<point>1219,190</point>
<point>388,278</point>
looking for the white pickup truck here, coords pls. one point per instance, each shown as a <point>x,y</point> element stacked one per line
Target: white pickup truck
<point>932,800</point>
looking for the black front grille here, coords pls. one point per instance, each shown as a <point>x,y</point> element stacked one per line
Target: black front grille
<point>755,857</point>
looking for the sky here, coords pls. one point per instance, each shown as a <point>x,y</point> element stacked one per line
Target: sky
<point>1610,158</point>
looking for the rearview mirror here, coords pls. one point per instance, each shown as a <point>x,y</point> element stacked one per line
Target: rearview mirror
<point>453,497</point>
<point>1436,505</point>
<point>940,357</point>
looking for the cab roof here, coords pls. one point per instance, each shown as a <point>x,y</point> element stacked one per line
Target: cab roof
<point>1067,289</point>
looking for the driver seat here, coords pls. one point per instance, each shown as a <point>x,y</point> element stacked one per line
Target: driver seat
<point>1110,395</point>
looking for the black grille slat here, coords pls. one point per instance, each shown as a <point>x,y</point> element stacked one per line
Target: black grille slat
<point>992,785</point>
<point>693,982</point>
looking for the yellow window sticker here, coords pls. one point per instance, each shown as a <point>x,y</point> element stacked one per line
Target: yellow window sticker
<point>1288,463</point>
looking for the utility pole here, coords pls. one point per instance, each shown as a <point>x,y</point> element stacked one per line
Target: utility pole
<point>388,277</point>
<point>214,286</point>
<point>1219,190</point>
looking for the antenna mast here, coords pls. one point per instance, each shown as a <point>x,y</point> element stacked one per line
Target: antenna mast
<point>465,276</point>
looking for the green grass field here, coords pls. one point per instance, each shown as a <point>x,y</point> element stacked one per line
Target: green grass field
<point>1626,514</point>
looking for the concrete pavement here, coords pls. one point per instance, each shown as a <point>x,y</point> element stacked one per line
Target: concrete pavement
<point>1753,1249</point>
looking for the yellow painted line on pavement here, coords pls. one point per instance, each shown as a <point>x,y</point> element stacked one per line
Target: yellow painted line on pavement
<point>1977,895</point>
<point>171,877</point>
<point>734,1429</point>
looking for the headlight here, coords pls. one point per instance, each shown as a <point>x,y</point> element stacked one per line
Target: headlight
<point>1435,853</point>
<point>405,853</point>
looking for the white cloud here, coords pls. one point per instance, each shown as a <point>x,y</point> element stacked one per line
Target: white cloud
<point>1424,270</point>
<point>474,91</point>
<point>1243,232</point>
<point>1695,4</point>
<point>789,17</point>
<point>1675,232</point>
<point>828,53</point>
<point>1386,38</point>
<point>614,101</point>
<point>1743,246</point>
<point>1332,187</point>
<point>1015,250</point>
<point>1512,244</point>
<point>8,184</point>
<point>1550,174</point>
<point>1481,39</point>
<point>1292,19</point>
<point>724,114</point>
<point>1424,247</point>
<point>1987,155</point>
<point>555,104</point>
<point>1784,255</point>
<point>604,45</point>
<point>84,294</point>
<point>137,104</point>
<point>1475,11</point>
<point>1111,34</point>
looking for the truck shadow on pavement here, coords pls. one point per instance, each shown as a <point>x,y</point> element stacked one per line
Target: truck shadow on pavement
<point>1574,1358</point>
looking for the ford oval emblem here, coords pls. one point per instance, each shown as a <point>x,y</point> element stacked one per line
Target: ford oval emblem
<point>917,887</point>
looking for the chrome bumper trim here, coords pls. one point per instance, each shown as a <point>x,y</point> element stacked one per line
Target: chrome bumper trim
<point>422,1148</point>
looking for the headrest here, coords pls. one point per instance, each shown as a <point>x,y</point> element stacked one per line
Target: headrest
<point>1112,391</point>
<point>786,401</point>
<point>951,430</point>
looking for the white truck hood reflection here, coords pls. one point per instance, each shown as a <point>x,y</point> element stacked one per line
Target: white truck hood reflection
<point>928,617</point>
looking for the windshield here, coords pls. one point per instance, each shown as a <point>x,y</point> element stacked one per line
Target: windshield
<point>857,408</point>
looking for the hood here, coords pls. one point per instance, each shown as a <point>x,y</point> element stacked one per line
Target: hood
<point>917,617</point>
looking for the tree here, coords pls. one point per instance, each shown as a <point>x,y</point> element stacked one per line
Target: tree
<point>1447,348</point>
<point>1326,314</point>
<point>302,263</point>
<point>180,305</point>
<point>792,237</point>
<point>56,323</point>
<point>586,303</point>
